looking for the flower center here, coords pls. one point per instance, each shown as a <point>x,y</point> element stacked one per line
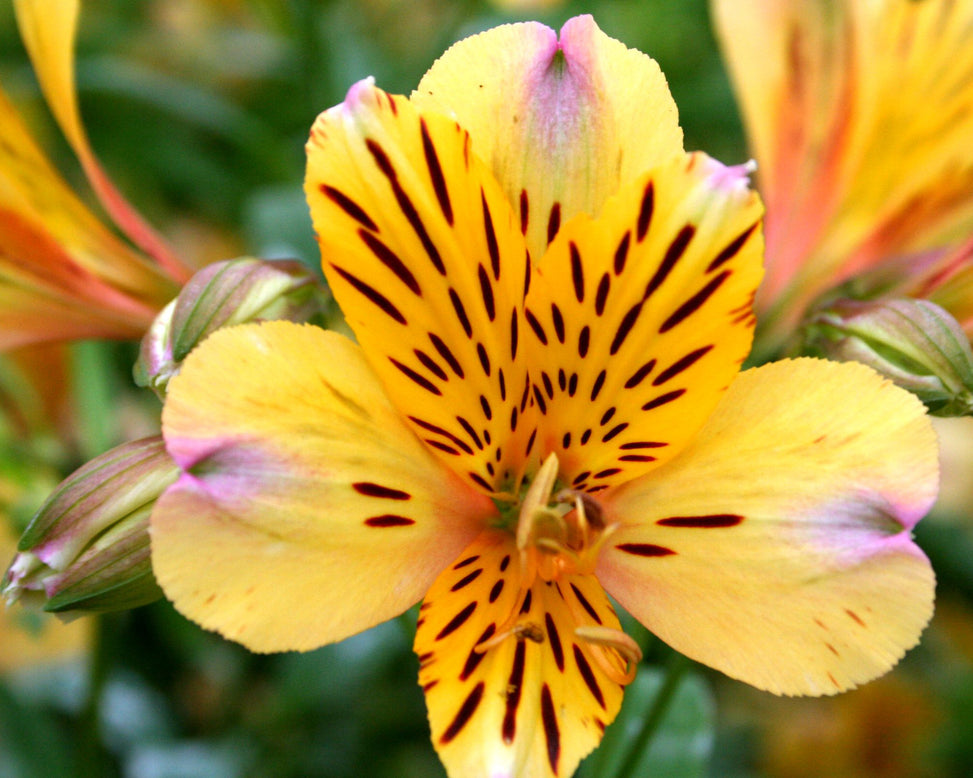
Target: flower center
<point>559,534</point>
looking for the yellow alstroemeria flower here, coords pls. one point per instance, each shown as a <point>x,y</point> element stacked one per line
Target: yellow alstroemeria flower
<point>63,273</point>
<point>552,302</point>
<point>860,116</point>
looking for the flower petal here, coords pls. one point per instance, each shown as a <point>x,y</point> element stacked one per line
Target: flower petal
<point>537,701</point>
<point>562,123</point>
<point>640,319</point>
<point>307,511</point>
<point>48,28</point>
<point>777,547</point>
<point>31,314</point>
<point>424,255</point>
<point>62,273</point>
<point>860,116</point>
<point>955,292</point>
<point>46,293</point>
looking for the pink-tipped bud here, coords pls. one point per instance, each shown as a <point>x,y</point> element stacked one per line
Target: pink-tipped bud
<point>914,343</point>
<point>87,548</point>
<point>225,293</point>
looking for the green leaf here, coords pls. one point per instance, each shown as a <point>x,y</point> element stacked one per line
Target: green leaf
<point>683,740</point>
<point>32,743</point>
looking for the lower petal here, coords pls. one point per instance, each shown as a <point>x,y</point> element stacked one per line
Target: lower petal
<point>513,688</point>
<point>777,547</point>
<point>307,511</point>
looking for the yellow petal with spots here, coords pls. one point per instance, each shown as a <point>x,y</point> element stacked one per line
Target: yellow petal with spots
<point>777,547</point>
<point>859,114</point>
<point>424,255</point>
<point>48,28</point>
<point>562,121</point>
<point>638,320</point>
<point>307,511</point>
<point>512,689</point>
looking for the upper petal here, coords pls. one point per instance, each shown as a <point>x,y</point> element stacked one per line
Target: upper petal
<point>47,293</point>
<point>777,547</point>
<point>307,510</point>
<point>639,319</point>
<point>562,123</point>
<point>424,255</point>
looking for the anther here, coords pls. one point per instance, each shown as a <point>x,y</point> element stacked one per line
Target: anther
<point>592,511</point>
<point>527,631</point>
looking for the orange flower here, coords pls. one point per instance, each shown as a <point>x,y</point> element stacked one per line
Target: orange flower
<point>63,273</point>
<point>860,115</point>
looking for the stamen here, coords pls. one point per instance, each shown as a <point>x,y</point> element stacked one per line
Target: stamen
<point>601,537</point>
<point>612,643</point>
<point>589,507</point>
<point>577,530</point>
<point>592,510</point>
<point>551,546</point>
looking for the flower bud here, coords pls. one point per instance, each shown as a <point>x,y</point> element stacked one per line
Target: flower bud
<point>914,343</point>
<point>526,6</point>
<point>220,295</point>
<point>87,548</point>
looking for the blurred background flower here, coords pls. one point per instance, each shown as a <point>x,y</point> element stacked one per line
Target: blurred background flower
<point>198,112</point>
<point>859,116</point>
<point>63,274</point>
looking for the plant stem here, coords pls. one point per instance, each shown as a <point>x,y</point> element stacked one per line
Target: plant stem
<point>95,408</point>
<point>676,671</point>
<point>91,757</point>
